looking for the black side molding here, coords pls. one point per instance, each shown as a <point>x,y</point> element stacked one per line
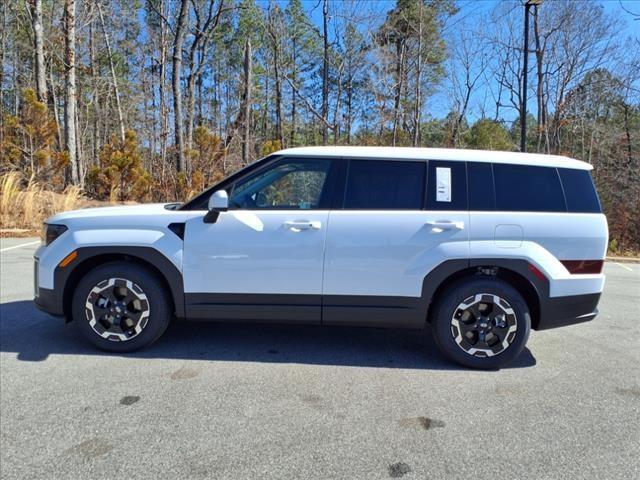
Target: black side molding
<point>253,307</point>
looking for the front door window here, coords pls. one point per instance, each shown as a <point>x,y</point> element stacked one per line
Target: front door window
<point>290,185</point>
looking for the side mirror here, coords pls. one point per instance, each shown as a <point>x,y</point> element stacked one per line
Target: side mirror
<point>218,202</point>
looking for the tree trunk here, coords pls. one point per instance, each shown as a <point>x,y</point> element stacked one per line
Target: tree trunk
<point>217,97</point>
<point>294,75</point>
<point>191,103</point>
<point>200,95</point>
<point>56,114</point>
<point>325,70</point>
<point>113,74</point>
<point>164,123</point>
<point>3,40</point>
<point>247,102</point>
<point>70,88</point>
<point>541,103</point>
<point>95,100</point>
<point>627,132</point>
<point>177,87</point>
<point>81,165</point>
<point>418,107</point>
<point>38,44</point>
<point>400,49</point>
<point>278,87</point>
<point>349,88</point>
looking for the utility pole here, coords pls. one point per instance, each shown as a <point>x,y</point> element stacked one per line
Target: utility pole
<point>523,110</point>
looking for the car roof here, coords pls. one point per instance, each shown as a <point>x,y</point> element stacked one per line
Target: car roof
<point>450,154</point>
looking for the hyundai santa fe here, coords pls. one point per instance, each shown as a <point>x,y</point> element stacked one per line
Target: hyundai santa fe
<point>480,246</point>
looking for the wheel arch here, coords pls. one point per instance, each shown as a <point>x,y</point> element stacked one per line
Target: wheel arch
<point>90,257</point>
<point>517,273</point>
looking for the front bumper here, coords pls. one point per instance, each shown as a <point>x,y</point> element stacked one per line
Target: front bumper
<point>45,299</point>
<point>562,311</point>
<point>48,301</point>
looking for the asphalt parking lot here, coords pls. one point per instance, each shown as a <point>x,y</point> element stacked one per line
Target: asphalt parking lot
<point>249,401</point>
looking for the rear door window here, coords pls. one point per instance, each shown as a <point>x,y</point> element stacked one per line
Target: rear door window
<point>579,191</point>
<point>447,187</point>
<point>527,188</point>
<point>384,185</point>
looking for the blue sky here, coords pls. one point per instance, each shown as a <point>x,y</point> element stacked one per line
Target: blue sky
<point>473,12</point>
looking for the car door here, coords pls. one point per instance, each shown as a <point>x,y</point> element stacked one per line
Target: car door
<point>263,258</point>
<point>388,236</point>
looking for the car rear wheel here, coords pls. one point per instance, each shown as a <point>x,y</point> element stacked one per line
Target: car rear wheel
<point>481,323</point>
<point>121,307</point>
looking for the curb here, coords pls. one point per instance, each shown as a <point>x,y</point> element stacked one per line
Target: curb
<point>623,259</point>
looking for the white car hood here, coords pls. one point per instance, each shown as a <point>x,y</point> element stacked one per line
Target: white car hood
<point>125,216</point>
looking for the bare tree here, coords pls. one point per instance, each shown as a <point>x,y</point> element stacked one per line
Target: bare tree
<point>275,31</point>
<point>177,86</point>
<point>3,42</point>
<point>201,37</point>
<point>114,79</point>
<point>247,101</point>
<point>70,88</point>
<point>469,63</point>
<point>325,71</point>
<point>38,47</point>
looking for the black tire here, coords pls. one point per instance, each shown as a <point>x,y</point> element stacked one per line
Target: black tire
<point>153,312</point>
<point>452,334</point>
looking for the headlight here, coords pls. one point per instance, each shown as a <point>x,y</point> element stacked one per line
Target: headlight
<point>51,232</point>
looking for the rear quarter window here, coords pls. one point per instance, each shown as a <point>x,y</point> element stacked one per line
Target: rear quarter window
<point>579,191</point>
<point>526,188</point>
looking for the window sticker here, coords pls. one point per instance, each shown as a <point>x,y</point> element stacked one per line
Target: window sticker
<point>443,184</point>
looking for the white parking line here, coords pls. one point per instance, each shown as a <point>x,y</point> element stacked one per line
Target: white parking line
<point>624,266</point>
<point>28,244</point>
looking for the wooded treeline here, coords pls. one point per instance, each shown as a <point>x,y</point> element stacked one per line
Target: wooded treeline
<point>156,99</point>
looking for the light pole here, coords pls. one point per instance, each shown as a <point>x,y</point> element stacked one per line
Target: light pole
<point>523,111</point>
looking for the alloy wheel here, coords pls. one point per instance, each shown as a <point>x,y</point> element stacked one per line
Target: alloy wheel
<point>484,325</point>
<point>117,309</point>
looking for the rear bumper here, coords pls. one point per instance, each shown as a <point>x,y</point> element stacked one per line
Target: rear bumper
<point>562,311</point>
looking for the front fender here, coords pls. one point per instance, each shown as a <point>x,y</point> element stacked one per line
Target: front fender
<point>162,250</point>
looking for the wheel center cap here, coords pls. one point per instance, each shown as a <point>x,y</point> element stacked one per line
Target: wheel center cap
<point>483,325</point>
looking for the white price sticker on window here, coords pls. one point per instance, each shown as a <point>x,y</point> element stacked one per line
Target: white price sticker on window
<point>443,184</point>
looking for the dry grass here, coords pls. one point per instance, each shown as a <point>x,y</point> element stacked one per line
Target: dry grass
<point>27,208</point>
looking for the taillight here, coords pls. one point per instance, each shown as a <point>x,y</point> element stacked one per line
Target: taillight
<point>583,266</point>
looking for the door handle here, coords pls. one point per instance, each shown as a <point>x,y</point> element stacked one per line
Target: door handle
<point>298,225</point>
<point>446,224</point>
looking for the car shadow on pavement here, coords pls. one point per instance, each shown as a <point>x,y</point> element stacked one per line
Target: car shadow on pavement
<point>34,335</point>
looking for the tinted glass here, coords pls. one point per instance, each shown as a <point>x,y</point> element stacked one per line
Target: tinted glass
<point>447,188</point>
<point>480,181</point>
<point>381,185</point>
<point>289,184</point>
<point>527,188</point>
<point>579,191</point>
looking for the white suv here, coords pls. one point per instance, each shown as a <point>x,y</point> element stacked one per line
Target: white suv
<point>483,246</point>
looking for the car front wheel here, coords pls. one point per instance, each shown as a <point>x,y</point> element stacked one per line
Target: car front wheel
<point>121,307</point>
